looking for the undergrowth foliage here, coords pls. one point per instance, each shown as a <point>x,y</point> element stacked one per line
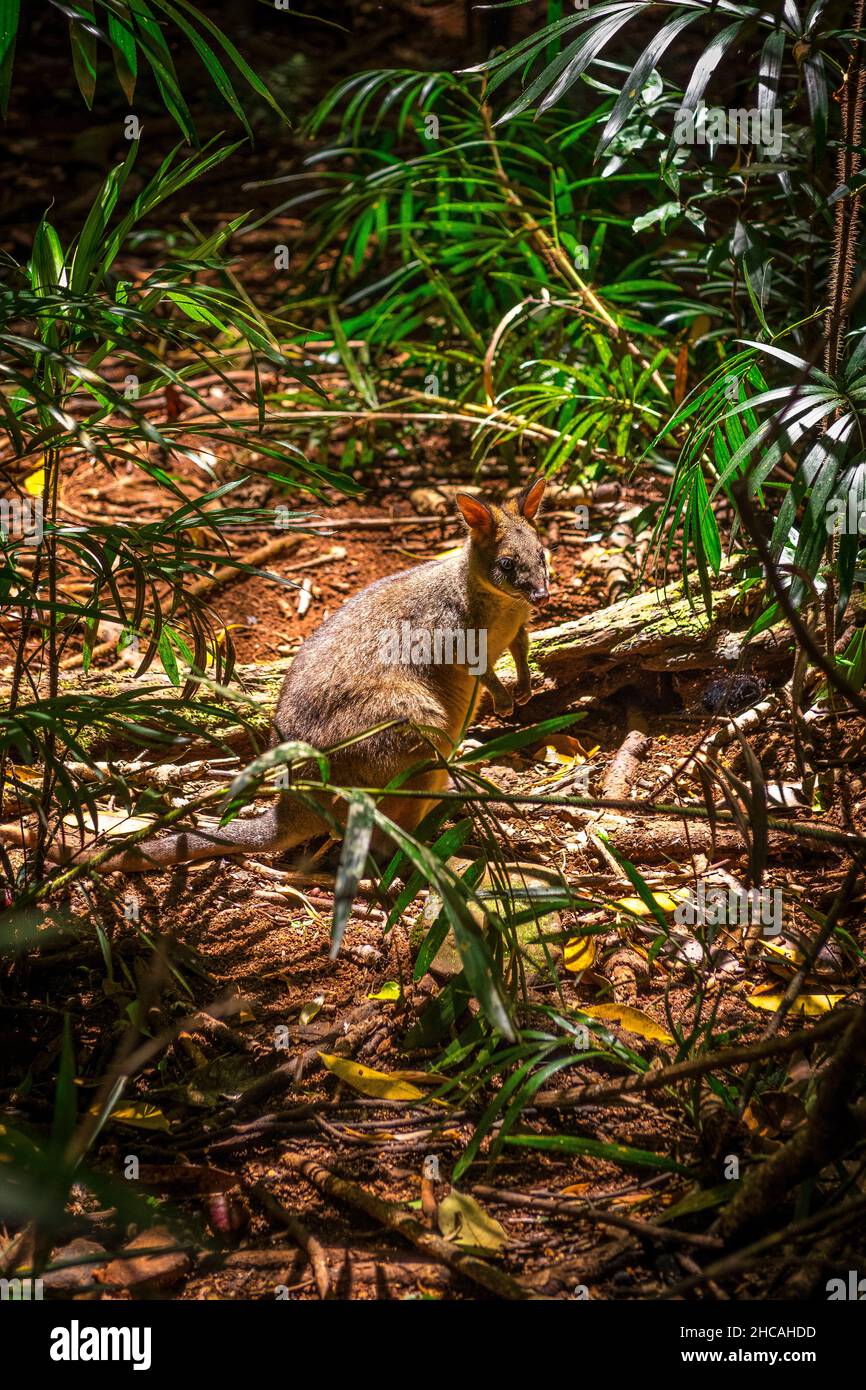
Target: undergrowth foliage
<point>528,250</point>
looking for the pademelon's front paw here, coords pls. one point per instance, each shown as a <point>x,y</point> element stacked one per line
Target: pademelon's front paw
<point>522,693</point>
<point>503,704</point>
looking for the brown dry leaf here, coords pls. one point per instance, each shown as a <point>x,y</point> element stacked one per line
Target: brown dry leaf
<point>76,1276</point>
<point>567,744</point>
<point>576,1189</point>
<point>632,1020</point>
<point>775,1114</point>
<point>799,1072</point>
<point>143,1271</point>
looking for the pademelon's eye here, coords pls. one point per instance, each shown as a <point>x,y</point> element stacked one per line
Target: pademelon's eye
<point>506,564</point>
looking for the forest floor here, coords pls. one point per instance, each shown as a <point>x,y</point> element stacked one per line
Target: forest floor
<point>225,966</point>
<point>211,1117</point>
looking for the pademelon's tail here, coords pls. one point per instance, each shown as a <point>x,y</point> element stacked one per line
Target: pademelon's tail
<point>281,827</point>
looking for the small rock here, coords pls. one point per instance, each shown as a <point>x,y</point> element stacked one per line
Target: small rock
<point>428,501</point>
<point>76,1276</point>
<point>145,1272</point>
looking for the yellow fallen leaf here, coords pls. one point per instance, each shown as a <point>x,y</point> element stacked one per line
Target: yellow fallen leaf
<point>565,750</point>
<point>786,949</point>
<point>34,483</point>
<point>666,901</point>
<point>311,1009</point>
<point>579,953</point>
<point>464,1222</point>
<point>631,1019</point>
<point>390,992</point>
<point>140,1115</point>
<point>378,1084</point>
<point>812,1005</point>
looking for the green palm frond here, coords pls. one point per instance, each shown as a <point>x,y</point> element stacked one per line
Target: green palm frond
<point>132,31</point>
<point>579,40</point>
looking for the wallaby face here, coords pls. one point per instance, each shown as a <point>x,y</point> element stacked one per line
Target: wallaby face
<point>507,554</point>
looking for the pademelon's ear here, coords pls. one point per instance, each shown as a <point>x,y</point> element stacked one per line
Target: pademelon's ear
<point>477,515</point>
<point>530,498</point>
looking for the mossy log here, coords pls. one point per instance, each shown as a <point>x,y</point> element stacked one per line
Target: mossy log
<point>659,631</point>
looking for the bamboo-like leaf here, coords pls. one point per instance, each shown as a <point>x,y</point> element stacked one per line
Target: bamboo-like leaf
<point>9,16</point>
<point>614,1153</point>
<point>353,858</point>
<point>83,41</point>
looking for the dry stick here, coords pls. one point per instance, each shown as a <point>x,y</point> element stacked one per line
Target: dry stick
<point>827,1129</point>
<point>591,803</point>
<point>655,1078</point>
<point>743,1259</point>
<point>796,984</point>
<point>311,1247</point>
<point>783,598</point>
<point>224,575</point>
<point>580,1212</point>
<point>784,827</point>
<point>745,723</point>
<point>620,776</point>
<point>395,1218</point>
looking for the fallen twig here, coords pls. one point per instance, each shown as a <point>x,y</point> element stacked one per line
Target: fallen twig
<point>299,1233</point>
<point>827,1130</point>
<point>580,1211</point>
<point>613,1091</point>
<point>396,1219</point>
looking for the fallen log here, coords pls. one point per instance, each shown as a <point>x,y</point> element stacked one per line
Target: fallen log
<point>659,631</point>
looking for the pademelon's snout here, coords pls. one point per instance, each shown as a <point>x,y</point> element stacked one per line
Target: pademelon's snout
<point>539,597</point>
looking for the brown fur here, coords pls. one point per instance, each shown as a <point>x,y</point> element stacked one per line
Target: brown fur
<point>337,686</point>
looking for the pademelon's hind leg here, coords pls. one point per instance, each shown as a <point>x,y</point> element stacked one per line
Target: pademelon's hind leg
<point>409,811</point>
<point>420,733</point>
